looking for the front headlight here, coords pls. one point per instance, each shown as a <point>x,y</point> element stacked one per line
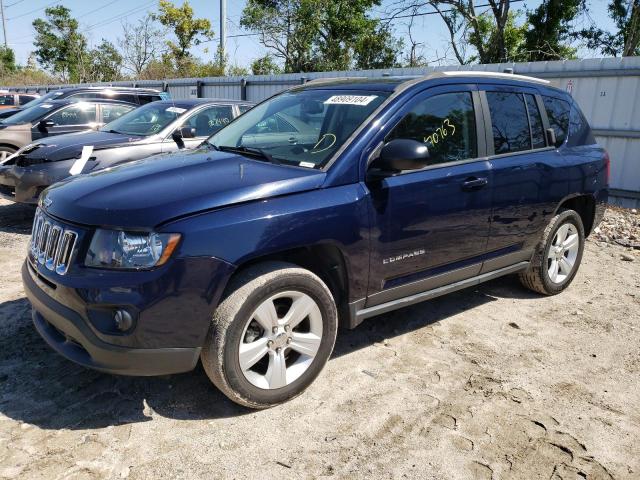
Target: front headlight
<point>135,250</point>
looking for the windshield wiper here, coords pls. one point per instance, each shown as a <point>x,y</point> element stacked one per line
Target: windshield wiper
<point>252,151</point>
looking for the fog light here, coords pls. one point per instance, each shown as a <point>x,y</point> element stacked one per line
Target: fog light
<point>123,320</point>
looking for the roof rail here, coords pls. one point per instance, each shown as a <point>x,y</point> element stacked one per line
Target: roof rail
<point>333,79</point>
<point>503,76</point>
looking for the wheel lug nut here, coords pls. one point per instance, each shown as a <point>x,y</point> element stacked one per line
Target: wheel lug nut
<point>274,329</point>
<point>270,344</point>
<point>288,340</point>
<point>287,328</point>
<point>278,350</point>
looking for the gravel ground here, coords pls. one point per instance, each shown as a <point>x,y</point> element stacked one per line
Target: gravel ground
<point>487,383</point>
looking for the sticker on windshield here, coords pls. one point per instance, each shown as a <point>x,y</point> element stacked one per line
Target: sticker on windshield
<point>177,110</point>
<point>361,100</point>
<point>307,164</point>
<point>46,105</point>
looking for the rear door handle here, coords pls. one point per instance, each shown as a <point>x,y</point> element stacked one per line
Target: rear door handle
<point>474,183</point>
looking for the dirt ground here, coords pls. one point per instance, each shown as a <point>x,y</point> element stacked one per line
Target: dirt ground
<point>488,383</point>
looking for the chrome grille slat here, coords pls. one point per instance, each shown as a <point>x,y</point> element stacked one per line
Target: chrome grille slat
<point>52,245</point>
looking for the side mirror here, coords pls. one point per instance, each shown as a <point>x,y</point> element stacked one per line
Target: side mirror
<point>402,154</point>
<point>180,134</point>
<point>43,125</point>
<point>551,137</point>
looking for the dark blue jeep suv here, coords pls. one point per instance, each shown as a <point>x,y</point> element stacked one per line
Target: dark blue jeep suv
<point>327,204</point>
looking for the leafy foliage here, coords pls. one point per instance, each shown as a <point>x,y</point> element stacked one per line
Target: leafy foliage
<point>315,35</point>
<point>264,66</point>
<point>625,41</point>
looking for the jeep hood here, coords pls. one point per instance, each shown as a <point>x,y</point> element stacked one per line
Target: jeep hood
<point>65,147</point>
<point>146,193</point>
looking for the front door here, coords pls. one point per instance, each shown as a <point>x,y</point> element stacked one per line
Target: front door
<point>430,227</point>
<point>73,118</point>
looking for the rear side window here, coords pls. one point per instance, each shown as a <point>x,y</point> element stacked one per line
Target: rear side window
<point>579,129</point>
<point>445,124</point>
<point>509,122</point>
<point>210,120</point>
<point>124,97</point>
<point>244,108</point>
<point>144,98</point>
<point>22,99</point>
<point>558,115</point>
<point>535,122</point>
<point>111,112</point>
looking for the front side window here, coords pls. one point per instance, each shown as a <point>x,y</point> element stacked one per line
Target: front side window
<point>111,112</point>
<point>78,114</point>
<point>445,124</point>
<point>558,115</point>
<point>146,120</point>
<point>210,120</point>
<point>302,128</point>
<point>509,122</point>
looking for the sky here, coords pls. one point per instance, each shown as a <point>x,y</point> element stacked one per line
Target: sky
<point>104,19</point>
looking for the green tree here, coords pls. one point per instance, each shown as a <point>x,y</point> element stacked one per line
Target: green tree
<point>313,35</point>
<point>513,36</point>
<point>7,60</point>
<point>104,63</point>
<point>264,66</point>
<point>550,30</point>
<point>189,31</point>
<point>625,41</point>
<point>59,46</point>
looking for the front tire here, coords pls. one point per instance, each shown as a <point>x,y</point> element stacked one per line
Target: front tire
<point>271,335</point>
<point>558,255</point>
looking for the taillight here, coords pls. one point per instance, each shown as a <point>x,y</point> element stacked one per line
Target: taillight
<point>607,167</point>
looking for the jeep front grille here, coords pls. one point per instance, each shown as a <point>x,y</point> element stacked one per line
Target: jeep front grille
<point>51,244</point>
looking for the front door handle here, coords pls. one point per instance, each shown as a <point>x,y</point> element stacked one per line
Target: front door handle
<point>474,183</point>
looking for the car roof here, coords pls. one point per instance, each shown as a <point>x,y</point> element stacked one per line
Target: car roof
<point>101,88</point>
<point>68,101</point>
<point>193,102</point>
<point>393,83</point>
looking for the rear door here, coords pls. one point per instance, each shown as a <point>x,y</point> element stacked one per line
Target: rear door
<point>430,226</point>
<point>110,111</point>
<point>524,177</point>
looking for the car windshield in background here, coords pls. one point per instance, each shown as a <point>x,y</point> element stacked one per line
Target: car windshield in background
<point>44,98</point>
<point>30,115</point>
<point>302,128</point>
<point>144,121</point>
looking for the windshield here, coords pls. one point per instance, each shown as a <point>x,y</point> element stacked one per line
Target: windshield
<point>146,120</point>
<point>39,100</point>
<point>302,128</point>
<point>30,115</point>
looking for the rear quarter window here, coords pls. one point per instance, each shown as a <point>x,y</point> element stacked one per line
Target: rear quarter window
<point>579,129</point>
<point>143,99</point>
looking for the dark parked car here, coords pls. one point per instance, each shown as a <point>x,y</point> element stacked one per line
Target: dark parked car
<point>139,96</point>
<point>11,100</point>
<point>248,258</point>
<point>57,117</point>
<point>158,127</point>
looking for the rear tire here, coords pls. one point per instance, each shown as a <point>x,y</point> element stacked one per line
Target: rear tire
<point>271,335</point>
<point>558,255</point>
<point>5,151</point>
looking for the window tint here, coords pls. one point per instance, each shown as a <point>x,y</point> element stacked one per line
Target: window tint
<point>244,108</point>
<point>111,112</point>
<point>579,129</point>
<point>143,99</point>
<point>445,124</point>
<point>124,97</point>
<point>210,120</point>
<point>79,114</point>
<point>6,99</point>
<point>535,121</point>
<point>22,99</point>
<point>509,122</point>
<point>558,114</point>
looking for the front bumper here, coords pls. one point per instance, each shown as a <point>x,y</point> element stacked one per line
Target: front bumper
<point>69,335</point>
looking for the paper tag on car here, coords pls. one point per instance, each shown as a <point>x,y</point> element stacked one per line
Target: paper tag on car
<point>45,105</point>
<point>361,100</point>
<point>177,110</point>
<point>79,164</point>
